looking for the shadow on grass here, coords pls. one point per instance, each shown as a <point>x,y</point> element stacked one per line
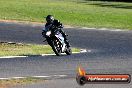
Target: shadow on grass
<point>106,4</point>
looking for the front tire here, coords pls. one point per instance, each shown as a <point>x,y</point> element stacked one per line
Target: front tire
<point>54,47</point>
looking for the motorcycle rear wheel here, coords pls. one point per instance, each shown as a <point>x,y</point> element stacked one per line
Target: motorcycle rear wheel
<point>68,51</point>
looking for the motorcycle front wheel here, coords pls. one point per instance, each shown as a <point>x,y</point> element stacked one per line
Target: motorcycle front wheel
<point>56,47</point>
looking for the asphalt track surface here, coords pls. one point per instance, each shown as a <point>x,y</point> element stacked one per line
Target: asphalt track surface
<point>111,52</point>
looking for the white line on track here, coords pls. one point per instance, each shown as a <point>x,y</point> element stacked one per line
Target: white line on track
<point>81,51</point>
<point>50,76</point>
<point>41,76</point>
<point>4,78</point>
<point>12,56</point>
<point>61,54</point>
<point>84,51</point>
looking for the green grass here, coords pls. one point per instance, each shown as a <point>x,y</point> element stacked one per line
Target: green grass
<point>26,49</point>
<point>13,82</point>
<point>71,12</point>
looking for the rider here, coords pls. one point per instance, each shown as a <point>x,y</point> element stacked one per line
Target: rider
<point>53,22</point>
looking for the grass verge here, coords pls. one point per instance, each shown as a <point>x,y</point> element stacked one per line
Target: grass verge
<point>26,49</point>
<point>71,12</point>
<point>7,83</point>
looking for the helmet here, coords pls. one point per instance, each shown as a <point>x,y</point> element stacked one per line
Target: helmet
<point>49,19</point>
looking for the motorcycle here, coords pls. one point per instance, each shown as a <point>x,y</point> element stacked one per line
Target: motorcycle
<point>56,40</point>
